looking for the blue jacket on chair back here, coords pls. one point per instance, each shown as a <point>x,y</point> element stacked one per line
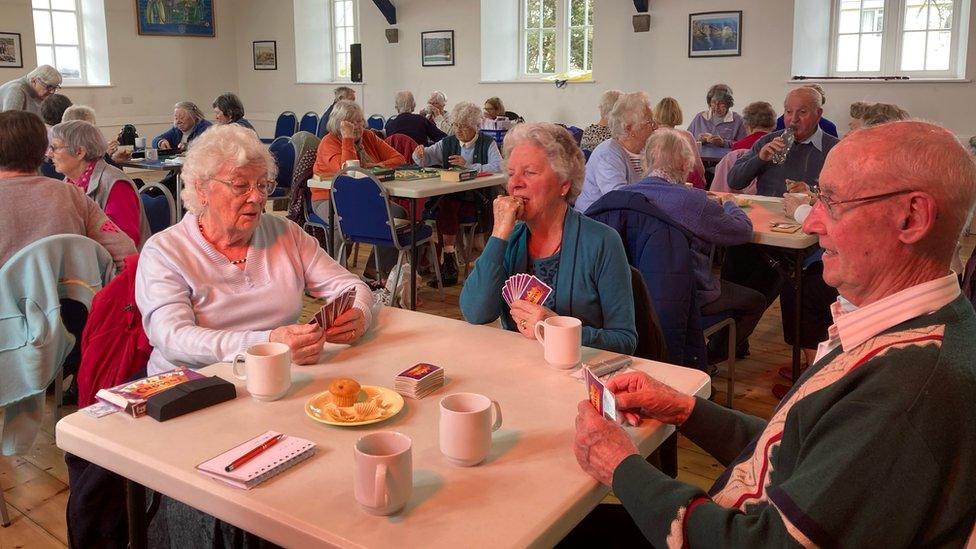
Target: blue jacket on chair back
<point>660,249</point>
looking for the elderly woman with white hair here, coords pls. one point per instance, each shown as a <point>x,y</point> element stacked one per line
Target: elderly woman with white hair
<point>436,111</point>
<point>718,125</point>
<point>113,155</point>
<point>227,276</point>
<point>594,134</point>
<point>617,161</point>
<point>27,92</point>
<point>712,221</point>
<point>188,124</point>
<point>78,151</point>
<point>466,148</point>
<point>537,232</point>
<point>415,126</point>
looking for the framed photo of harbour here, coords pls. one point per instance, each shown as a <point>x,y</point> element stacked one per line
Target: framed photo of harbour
<point>715,34</point>
<point>437,48</point>
<point>265,55</point>
<point>11,54</point>
<point>175,17</point>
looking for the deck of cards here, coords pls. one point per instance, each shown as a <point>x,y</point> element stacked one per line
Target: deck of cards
<point>599,396</point>
<point>334,309</point>
<point>527,287</point>
<point>419,381</point>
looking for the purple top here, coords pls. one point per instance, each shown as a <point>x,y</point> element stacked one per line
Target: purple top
<point>732,128</point>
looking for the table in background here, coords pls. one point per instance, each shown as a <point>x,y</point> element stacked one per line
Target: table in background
<point>413,190</point>
<point>529,493</point>
<point>710,154</point>
<point>162,166</point>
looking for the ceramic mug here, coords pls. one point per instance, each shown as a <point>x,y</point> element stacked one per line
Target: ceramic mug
<point>152,155</point>
<point>466,427</point>
<point>561,338</point>
<point>266,369</point>
<point>140,142</point>
<point>383,477</point>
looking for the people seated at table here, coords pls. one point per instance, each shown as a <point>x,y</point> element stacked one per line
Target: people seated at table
<point>597,133</point>
<point>469,149</point>
<point>617,161</point>
<point>407,122</point>
<point>348,141</point>
<point>52,109</point>
<point>537,232</point>
<point>667,114</point>
<point>227,276</point>
<point>712,221</point>
<point>113,155</point>
<point>78,150</point>
<point>827,126</point>
<point>27,92</point>
<point>718,125</point>
<point>436,111</point>
<point>342,93</point>
<point>33,206</point>
<point>495,109</point>
<point>759,119</point>
<point>882,113</point>
<point>857,112</point>
<point>188,124</point>
<point>228,109</point>
<point>882,412</point>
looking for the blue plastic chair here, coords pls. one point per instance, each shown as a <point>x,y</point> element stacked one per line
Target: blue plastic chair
<point>586,155</point>
<point>363,215</point>
<point>286,126</point>
<point>323,127</point>
<point>159,206</point>
<point>284,154</point>
<point>309,123</point>
<point>376,122</point>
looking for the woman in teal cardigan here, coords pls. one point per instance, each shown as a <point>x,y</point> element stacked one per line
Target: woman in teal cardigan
<point>537,232</point>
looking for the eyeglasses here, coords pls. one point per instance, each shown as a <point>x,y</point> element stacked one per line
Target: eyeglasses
<point>55,148</point>
<point>829,203</point>
<point>240,188</point>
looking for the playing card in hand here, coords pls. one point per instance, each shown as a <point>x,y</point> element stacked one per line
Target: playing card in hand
<point>599,396</point>
<point>526,287</point>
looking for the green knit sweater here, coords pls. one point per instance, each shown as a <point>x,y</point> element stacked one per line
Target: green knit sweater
<point>874,447</point>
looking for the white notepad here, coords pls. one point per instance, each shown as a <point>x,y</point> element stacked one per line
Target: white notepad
<point>287,452</point>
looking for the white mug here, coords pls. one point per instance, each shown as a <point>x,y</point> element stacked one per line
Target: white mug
<point>351,164</point>
<point>383,478</point>
<point>466,427</point>
<point>152,155</point>
<point>561,337</point>
<point>140,143</point>
<point>267,370</point>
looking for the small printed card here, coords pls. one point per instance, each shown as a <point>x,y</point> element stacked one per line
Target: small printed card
<point>332,310</point>
<point>526,287</point>
<point>599,396</point>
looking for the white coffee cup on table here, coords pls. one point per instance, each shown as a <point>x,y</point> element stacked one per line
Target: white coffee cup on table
<point>266,369</point>
<point>466,426</point>
<point>140,142</point>
<point>561,338</point>
<point>383,477</point>
<point>152,155</point>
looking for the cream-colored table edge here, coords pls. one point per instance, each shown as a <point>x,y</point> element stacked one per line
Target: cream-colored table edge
<point>529,492</point>
<point>763,209</point>
<point>424,188</point>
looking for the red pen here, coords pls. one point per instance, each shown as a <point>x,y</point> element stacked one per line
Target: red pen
<point>253,453</point>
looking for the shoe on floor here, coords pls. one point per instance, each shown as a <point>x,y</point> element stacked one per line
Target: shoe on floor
<point>449,271</point>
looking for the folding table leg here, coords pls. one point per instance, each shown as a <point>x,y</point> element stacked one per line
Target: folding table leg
<point>414,259</point>
<point>797,313</point>
<point>135,499</point>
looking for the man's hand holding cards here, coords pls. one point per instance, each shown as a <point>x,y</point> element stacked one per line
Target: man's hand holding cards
<point>600,396</point>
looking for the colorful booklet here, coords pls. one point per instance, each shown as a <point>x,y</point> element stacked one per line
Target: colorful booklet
<point>131,397</point>
<point>277,458</point>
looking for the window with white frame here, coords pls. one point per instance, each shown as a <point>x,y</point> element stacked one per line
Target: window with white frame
<point>557,36</point>
<point>344,33</point>
<point>70,36</point>
<point>919,38</point>
<point>324,33</point>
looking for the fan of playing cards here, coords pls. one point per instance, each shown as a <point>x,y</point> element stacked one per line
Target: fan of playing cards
<point>334,309</point>
<point>527,287</point>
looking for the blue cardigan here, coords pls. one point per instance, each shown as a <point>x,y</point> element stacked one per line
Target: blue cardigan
<point>593,282</point>
<point>175,136</point>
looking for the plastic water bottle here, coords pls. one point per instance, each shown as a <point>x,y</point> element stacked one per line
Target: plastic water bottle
<point>788,138</point>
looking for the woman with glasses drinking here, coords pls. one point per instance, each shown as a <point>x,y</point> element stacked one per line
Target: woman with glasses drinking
<point>227,276</point>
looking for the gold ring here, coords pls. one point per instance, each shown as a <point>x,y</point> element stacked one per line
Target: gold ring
<point>522,323</point>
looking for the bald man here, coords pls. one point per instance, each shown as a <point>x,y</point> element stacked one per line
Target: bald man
<point>873,446</point>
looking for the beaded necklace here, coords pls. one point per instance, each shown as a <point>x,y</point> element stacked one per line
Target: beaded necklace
<point>232,261</point>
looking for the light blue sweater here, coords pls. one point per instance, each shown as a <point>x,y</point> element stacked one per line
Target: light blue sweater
<point>608,169</point>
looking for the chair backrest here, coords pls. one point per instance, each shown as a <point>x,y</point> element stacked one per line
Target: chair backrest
<point>309,123</point>
<point>650,338</point>
<point>322,128</point>
<point>284,154</point>
<point>305,145</point>
<point>159,206</point>
<point>586,155</point>
<point>403,143</point>
<point>362,207</point>
<point>286,125</point>
<point>376,122</point>
<point>720,183</point>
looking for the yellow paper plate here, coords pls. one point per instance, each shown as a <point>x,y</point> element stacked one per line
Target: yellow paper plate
<point>389,403</point>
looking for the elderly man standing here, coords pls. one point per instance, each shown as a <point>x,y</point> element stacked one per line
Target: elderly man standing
<point>27,92</point>
<point>868,449</point>
<point>415,126</point>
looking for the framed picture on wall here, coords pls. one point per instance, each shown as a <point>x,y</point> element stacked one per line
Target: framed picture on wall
<point>437,48</point>
<point>715,34</point>
<point>179,18</point>
<point>11,56</point>
<point>265,55</point>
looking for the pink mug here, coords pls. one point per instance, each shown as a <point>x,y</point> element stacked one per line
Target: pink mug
<point>383,477</point>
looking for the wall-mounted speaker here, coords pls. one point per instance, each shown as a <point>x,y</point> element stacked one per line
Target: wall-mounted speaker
<point>356,62</point>
<point>642,22</point>
<point>392,35</point>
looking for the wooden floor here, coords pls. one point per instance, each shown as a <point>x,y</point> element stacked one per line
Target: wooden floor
<point>36,490</point>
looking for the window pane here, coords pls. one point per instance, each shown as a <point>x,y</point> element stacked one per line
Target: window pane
<point>849,18</point>
<point>915,15</point>
<point>940,16</point>
<point>549,51</point>
<point>69,62</point>
<point>40,3</point>
<point>350,37</point>
<point>577,13</point>
<point>45,55</point>
<point>872,20</point>
<point>576,49</point>
<point>549,14</point>
<point>532,19</point>
<point>342,65</point>
<point>350,20</point>
<point>937,54</point>
<point>847,52</point>
<point>42,27</point>
<point>65,28</point>
<point>532,59</point>
<point>589,49</point>
<point>589,12</point>
<point>63,5</point>
<point>913,51</point>
<point>870,58</point>
<point>340,41</point>
<point>339,17</point>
